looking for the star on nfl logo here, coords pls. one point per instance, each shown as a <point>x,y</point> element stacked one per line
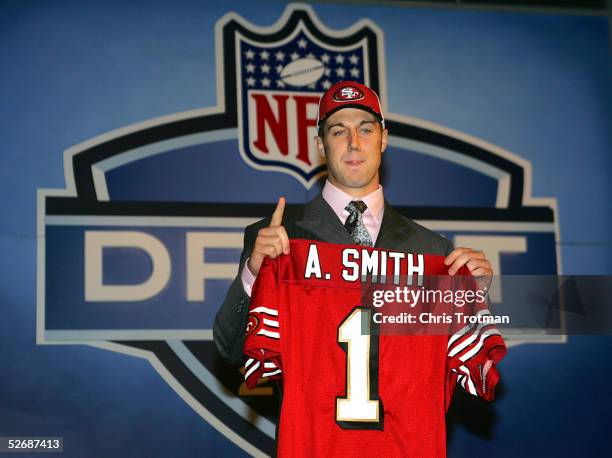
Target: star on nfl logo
<point>280,79</point>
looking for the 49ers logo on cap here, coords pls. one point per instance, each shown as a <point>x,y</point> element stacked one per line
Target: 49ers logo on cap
<point>347,94</point>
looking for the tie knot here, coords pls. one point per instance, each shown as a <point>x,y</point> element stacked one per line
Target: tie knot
<point>358,205</point>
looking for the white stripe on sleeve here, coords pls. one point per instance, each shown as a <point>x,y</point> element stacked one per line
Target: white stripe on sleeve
<point>265,310</point>
<point>471,388</point>
<point>265,332</point>
<point>478,346</point>
<point>248,373</point>
<point>270,374</point>
<point>271,323</point>
<point>470,339</point>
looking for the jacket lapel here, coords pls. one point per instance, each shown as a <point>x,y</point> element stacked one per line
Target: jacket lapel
<point>320,220</point>
<point>395,232</point>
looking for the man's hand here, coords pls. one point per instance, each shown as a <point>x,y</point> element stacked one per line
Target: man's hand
<point>271,241</point>
<point>476,261</point>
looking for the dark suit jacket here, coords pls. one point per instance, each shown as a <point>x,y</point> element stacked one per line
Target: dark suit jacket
<point>314,221</point>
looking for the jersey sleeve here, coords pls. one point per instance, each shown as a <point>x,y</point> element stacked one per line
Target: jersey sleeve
<point>263,333</point>
<point>474,348</point>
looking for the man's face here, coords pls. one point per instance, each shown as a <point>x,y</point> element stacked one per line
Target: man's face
<point>353,142</point>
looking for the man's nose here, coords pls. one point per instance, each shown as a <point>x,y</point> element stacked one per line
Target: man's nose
<point>354,143</point>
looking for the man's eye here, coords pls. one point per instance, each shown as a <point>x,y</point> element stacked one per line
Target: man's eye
<point>338,133</point>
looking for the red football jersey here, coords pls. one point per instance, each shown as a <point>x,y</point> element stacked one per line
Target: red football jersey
<point>350,391</point>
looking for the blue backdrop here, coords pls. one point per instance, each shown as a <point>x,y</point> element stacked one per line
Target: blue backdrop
<point>538,85</point>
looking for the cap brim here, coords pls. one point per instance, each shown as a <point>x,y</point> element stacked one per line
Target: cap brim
<point>352,105</point>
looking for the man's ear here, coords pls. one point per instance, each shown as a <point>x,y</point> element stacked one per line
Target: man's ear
<point>320,146</point>
<point>384,140</point>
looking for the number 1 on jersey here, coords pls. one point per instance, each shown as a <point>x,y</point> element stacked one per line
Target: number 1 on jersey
<point>361,408</point>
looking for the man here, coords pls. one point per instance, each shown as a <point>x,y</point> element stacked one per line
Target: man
<point>352,137</point>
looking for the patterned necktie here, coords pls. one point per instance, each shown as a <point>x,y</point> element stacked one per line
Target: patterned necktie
<point>354,223</point>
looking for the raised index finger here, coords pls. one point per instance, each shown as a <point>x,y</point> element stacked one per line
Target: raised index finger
<point>277,216</point>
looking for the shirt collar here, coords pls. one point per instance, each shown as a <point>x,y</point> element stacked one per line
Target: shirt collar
<point>338,200</point>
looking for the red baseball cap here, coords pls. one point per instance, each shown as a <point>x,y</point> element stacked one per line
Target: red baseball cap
<point>349,94</point>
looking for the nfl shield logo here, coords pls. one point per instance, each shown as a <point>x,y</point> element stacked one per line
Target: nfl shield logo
<point>280,78</point>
